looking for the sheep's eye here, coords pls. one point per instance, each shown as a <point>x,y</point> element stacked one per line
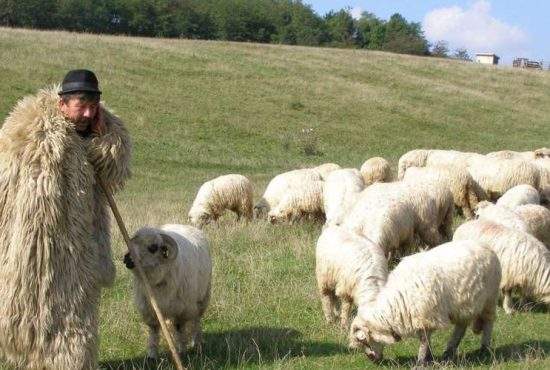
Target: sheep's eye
<point>153,248</point>
<point>164,250</point>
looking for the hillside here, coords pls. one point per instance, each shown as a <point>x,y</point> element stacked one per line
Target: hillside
<point>199,109</point>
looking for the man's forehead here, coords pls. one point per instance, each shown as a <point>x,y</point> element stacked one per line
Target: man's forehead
<point>79,102</point>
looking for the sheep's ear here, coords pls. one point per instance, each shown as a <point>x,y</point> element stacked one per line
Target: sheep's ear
<point>169,248</point>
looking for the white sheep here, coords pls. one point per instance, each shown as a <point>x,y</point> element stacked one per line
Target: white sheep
<point>543,166</point>
<point>382,216</point>
<point>325,169</point>
<point>519,195</point>
<point>529,155</point>
<point>525,260</point>
<point>376,169</point>
<point>177,264</point>
<point>280,185</point>
<point>340,192</point>
<point>300,202</point>
<point>537,219</point>
<point>497,176</point>
<point>455,283</point>
<point>435,157</point>
<point>501,215</point>
<point>466,194</point>
<point>350,271</point>
<point>233,192</point>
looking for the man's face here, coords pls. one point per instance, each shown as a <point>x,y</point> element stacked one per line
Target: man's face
<point>80,112</point>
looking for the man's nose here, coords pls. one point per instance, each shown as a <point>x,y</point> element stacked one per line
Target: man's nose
<point>88,112</point>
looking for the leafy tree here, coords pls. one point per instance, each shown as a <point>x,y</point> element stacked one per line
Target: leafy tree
<point>462,54</point>
<point>371,31</point>
<point>404,37</point>
<point>298,24</point>
<point>340,27</point>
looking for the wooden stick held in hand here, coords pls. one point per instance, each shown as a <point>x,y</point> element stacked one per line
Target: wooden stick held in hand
<point>141,273</point>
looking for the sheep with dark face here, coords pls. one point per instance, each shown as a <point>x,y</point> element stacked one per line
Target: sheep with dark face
<point>177,264</point>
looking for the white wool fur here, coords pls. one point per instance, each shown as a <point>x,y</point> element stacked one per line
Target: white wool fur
<point>381,215</point>
<point>280,185</point>
<point>525,260</point>
<point>181,281</point>
<point>465,191</point>
<point>497,176</point>
<point>500,215</point>
<point>543,166</point>
<point>376,169</point>
<point>537,219</point>
<point>350,271</point>
<point>435,157</point>
<point>340,193</point>
<point>519,195</point>
<point>454,283</point>
<point>325,169</point>
<point>300,202</point>
<point>233,192</point>
<point>528,156</point>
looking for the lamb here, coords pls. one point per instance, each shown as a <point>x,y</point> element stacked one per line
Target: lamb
<point>177,264</point>
<point>325,169</point>
<point>350,270</point>
<point>454,283</point>
<point>298,203</point>
<point>280,185</point>
<point>501,215</point>
<point>233,192</point>
<point>466,194</point>
<point>537,219</point>
<point>376,169</point>
<point>429,158</point>
<point>340,192</point>
<point>525,261</point>
<point>497,176</point>
<point>519,195</point>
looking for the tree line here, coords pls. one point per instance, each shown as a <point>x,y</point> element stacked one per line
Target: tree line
<point>266,21</point>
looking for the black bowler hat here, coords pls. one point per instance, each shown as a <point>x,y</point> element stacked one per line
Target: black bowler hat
<point>79,80</point>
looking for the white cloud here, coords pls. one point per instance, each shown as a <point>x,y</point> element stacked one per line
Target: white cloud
<point>475,29</point>
<point>356,12</point>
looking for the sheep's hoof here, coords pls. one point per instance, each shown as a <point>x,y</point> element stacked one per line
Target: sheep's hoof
<point>449,356</point>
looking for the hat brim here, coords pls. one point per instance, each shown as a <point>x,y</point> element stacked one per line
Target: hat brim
<point>73,87</point>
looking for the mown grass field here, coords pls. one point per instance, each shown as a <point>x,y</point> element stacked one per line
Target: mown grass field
<point>197,110</point>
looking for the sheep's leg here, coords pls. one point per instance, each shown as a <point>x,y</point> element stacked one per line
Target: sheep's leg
<point>196,334</point>
<point>508,303</point>
<point>153,341</point>
<point>345,312</point>
<point>329,302</point>
<point>486,336</point>
<point>454,341</point>
<point>424,351</point>
<point>447,227</point>
<point>181,342</point>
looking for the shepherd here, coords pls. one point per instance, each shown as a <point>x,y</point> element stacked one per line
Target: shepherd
<point>55,252</point>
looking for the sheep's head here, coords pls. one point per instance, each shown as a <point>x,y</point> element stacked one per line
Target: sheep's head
<point>542,153</point>
<point>370,339</point>
<point>199,218</point>
<point>277,215</point>
<point>154,249</point>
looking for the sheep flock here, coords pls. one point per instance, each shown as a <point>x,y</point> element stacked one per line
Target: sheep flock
<point>387,264</point>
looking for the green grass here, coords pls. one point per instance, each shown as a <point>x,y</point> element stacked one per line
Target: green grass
<point>199,109</point>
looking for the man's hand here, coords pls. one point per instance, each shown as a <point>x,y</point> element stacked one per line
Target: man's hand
<point>98,126</point>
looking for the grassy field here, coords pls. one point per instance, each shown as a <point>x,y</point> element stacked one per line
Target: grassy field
<point>198,109</point>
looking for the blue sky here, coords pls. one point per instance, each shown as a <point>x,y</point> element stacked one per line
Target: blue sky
<point>509,28</point>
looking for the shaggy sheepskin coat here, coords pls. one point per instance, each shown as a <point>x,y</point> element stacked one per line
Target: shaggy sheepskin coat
<point>54,233</point>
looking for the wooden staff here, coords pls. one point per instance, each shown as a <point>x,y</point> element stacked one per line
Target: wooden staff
<point>141,273</point>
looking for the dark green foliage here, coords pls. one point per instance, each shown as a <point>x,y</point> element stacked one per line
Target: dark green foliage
<point>278,21</point>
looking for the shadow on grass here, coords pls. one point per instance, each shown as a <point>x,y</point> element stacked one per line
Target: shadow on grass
<point>250,346</point>
<point>507,353</point>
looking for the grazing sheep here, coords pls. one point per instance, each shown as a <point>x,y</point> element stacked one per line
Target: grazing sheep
<point>177,264</point>
<point>233,192</point>
<point>501,215</point>
<point>382,216</point>
<point>519,195</point>
<point>298,203</point>
<point>497,176</point>
<point>525,261</point>
<point>466,194</point>
<point>324,169</point>
<point>280,185</point>
<point>340,192</point>
<point>528,156</point>
<point>537,219</point>
<point>350,270</point>
<point>454,283</point>
<point>430,158</point>
<point>376,169</point>
<point>543,166</point>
